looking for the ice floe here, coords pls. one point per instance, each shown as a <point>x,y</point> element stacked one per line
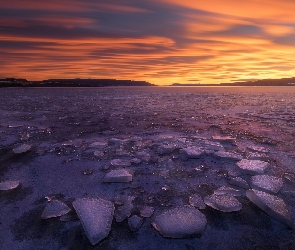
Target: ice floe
<point>273,205</point>
<point>22,149</point>
<point>266,183</point>
<point>134,222</point>
<point>118,175</point>
<point>253,166</point>
<point>240,182</point>
<point>224,203</point>
<point>196,200</point>
<point>180,222</point>
<point>96,216</point>
<point>55,208</point>
<point>8,185</point>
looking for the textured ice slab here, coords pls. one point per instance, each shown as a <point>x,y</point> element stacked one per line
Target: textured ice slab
<point>192,152</point>
<point>180,222</point>
<point>22,149</point>
<point>240,182</point>
<point>266,183</point>
<point>228,155</point>
<point>96,216</point>
<point>55,208</point>
<point>212,145</point>
<point>274,206</point>
<point>224,203</point>
<point>253,166</point>
<point>8,185</point>
<point>119,175</point>
<point>227,190</point>
<point>197,201</point>
<point>223,138</point>
<point>120,163</point>
<point>135,222</point>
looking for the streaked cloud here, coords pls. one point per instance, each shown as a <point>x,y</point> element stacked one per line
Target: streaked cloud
<point>162,41</point>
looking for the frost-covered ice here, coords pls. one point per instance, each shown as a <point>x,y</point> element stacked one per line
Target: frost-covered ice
<point>228,155</point>
<point>124,211</point>
<point>266,183</point>
<point>55,208</point>
<point>8,185</point>
<point>118,175</point>
<point>223,203</point>
<point>223,138</point>
<point>120,163</point>
<point>258,149</point>
<point>253,166</point>
<point>180,222</point>
<point>96,216</point>
<point>147,211</point>
<point>272,205</point>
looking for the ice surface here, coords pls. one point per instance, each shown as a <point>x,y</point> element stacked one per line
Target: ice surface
<point>134,223</point>
<point>257,156</point>
<point>22,149</point>
<point>227,190</point>
<point>144,156</point>
<point>274,206</point>
<point>196,200</point>
<point>147,211</point>
<point>253,166</point>
<point>213,145</point>
<point>228,155</point>
<point>96,216</point>
<point>240,182</point>
<point>118,175</point>
<point>8,185</point>
<point>224,203</point>
<point>192,152</point>
<point>266,183</point>
<point>55,208</point>
<point>99,145</point>
<point>180,222</point>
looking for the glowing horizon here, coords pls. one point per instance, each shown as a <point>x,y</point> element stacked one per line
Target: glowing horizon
<point>162,42</point>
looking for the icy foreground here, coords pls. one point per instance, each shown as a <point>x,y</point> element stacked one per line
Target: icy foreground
<point>129,169</point>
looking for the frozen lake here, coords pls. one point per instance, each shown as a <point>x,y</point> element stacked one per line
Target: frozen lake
<point>79,135</point>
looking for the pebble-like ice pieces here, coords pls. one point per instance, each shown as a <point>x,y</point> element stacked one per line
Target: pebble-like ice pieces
<point>8,185</point>
<point>22,149</point>
<point>253,166</point>
<point>227,190</point>
<point>240,182</point>
<point>96,216</point>
<point>266,183</point>
<point>147,211</point>
<point>55,208</point>
<point>196,200</point>
<point>180,222</point>
<point>192,152</point>
<point>223,138</point>
<point>228,155</point>
<point>274,206</point>
<point>166,149</point>
<point>134,223</point>
<point>118,175</point>
<point>120,163</point>
<point>224,203</point>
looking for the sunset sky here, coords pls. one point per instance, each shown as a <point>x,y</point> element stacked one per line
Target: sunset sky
<point>160,41</point>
